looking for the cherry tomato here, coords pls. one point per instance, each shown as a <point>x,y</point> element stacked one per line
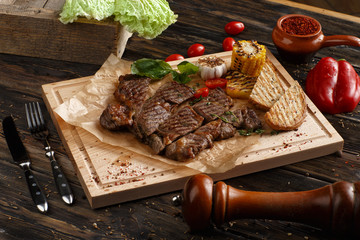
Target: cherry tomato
<point>228,44</point>
<point>216,82</point>
<point>201,92</point>
<point>234,27</point>
<point>174,57</point>
<point>195,50</point>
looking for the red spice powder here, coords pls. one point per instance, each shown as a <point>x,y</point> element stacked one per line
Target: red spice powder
<point>299,26</point>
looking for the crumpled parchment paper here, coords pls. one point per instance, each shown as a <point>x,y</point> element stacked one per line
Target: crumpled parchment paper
<point>85,107</point>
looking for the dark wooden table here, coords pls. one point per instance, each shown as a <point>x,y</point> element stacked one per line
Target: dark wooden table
<point>155,217</point>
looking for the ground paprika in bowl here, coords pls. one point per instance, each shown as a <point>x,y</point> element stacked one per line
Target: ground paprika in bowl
<point>298,37</point>
<point>333,86</point>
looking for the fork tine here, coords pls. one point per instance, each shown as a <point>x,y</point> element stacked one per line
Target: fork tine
<point>36,116</point>
<point>32,117</point>
<point>28,118</point>
<point>41,117</point>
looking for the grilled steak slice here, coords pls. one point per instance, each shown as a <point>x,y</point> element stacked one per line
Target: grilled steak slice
<point>235,118</point>
<point>214,105</point>
<point>227,130</point>
<point>150,117</point>
<point>182,122</point>
<point>174,93</point>
<point>178,124</point>
<point>158,108</point>
<point>133,90</point>
<point>116,117</point>
<point>251,120</point>
<point>191,144</point>
<point>187,147</point>
<point>130,94</point>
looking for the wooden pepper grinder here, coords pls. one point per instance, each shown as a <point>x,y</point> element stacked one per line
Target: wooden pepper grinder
<point>334,208</point>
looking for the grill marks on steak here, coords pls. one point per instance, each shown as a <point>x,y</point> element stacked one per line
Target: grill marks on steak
<point>130,94</point>
<point>133,90</point>
<point>215,104</point>
<point>184,121</point>
<point>158,108</point>
<point>191,144</point>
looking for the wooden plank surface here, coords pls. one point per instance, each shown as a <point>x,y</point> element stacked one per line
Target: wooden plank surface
<point>320,8</point>
<point>99,164</point>
<point>155,217</point>
<point>32,28</point>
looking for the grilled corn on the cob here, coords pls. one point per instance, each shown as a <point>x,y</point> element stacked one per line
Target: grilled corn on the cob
<point>248,57</point>
<point>239,85</point>
<point>211,67</point>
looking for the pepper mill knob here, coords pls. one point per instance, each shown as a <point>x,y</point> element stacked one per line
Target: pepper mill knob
<point>334,208</point>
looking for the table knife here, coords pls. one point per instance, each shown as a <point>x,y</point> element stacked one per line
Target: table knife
<point>21,157</point>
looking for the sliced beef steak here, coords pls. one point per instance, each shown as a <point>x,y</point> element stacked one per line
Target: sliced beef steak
<point>158,108</point>
<point>133,90</point>
<point>251,120</point>
<point>234,117</point>
<point>180,123</point>
<point>150,117</point>
<point>184,121</point>
<point>187,147</point>
<point>116,117</point>
<point>191,144</point>
<point>173,93</point>
<point>214,105</point>
<point>130,94</point>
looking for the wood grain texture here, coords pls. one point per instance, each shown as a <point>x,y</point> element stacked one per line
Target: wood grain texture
<point>21,79</point>
<point>351,7</point>
<point>345,10</point>
<point>28,29</point>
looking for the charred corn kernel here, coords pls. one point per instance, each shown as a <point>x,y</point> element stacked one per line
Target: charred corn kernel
<point>239,85</point>
<point>248,57</point>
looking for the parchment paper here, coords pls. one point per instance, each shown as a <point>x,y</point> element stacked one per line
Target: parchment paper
<point>85,107</point>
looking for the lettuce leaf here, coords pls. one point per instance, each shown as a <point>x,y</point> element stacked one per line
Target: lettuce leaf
<point>91,9</point>
<point>149,18</point>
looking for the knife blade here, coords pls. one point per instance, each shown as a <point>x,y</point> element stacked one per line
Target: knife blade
<point>21,157</point>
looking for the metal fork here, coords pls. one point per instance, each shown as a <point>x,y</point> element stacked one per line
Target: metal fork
<point>39,131</point>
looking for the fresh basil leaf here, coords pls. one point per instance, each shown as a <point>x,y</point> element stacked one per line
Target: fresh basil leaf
<point>181,77</point>
<point>157,69</point>
<point>154,69</point>
<point>187,67</point>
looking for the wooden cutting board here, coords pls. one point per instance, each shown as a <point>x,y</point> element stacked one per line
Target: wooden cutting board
<point>111,175</point>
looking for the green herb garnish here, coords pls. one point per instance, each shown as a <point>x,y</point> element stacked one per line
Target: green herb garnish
<point>220,117</point>
<point>248,132</point>
<point>196,100</point>
<point>157,69</point>
<point>244,132</point>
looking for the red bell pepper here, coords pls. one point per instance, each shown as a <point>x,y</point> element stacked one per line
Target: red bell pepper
<point>333,86</point>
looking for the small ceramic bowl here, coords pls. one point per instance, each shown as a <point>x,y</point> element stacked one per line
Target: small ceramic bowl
<point>298,44</point>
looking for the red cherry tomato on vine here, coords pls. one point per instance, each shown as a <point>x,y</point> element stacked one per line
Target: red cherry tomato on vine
<point>216,82</point>
<point>174,57</point>
<point>201,92</point>
<point>234,27</point>
<point>195,50</point>
<point>228,44</point>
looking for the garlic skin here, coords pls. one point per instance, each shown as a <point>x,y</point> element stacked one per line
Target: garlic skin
<point>211,67</point>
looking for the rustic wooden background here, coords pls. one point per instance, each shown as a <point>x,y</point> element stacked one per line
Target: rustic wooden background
<point>155,217</point>
<point>351,7</point>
